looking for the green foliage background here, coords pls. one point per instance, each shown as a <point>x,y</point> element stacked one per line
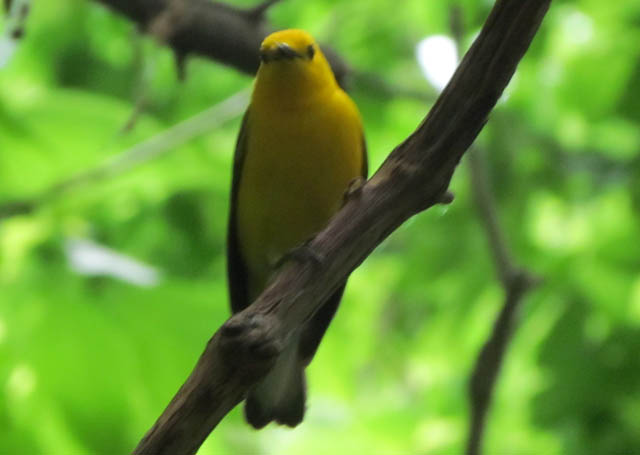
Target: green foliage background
<point>88,363</point>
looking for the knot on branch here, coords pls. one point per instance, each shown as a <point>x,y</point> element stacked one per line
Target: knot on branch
<point>251,342</point>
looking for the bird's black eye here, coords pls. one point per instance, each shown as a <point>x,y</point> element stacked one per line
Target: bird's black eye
<point>310,51</point>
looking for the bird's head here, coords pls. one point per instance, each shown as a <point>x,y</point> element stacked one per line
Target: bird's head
<point>293,64</point>
<point>288,46</point>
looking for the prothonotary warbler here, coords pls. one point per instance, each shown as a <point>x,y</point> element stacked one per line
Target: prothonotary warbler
<point>300,146</point>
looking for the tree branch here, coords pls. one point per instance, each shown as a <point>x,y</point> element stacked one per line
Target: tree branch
<point>414,177</point>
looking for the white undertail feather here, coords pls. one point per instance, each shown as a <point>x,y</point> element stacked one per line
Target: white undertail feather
<point>275,390</point>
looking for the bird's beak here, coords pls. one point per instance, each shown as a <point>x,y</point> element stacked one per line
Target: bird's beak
<point>279,51</point>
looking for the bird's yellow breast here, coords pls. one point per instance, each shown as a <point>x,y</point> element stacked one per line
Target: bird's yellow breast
<point>298,165</point>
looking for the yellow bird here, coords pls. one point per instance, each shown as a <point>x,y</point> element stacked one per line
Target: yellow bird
<point>300,146</point>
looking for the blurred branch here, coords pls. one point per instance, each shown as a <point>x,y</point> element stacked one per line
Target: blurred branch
<point>506,267</point>
<point>224,33</point>
<point>490,359</point>
<point>150,149</point>
<point>515,281</point>
<point>414,177</point>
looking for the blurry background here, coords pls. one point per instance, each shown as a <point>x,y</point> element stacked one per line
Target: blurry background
<point>111,288</point>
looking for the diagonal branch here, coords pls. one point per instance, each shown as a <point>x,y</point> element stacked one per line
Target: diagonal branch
<point>413,178</point>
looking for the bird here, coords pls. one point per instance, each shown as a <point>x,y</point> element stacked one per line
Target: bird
<point>300,147</point>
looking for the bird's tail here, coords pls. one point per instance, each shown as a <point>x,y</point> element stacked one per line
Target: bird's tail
<point>281,395</point>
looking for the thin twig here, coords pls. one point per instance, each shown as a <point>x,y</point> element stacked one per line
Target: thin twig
<point>148,150</point>
<point>488,214</point>
<point>490,360</point>
<point>515,280</point>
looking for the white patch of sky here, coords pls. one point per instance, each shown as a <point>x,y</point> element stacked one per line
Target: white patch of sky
<point>438,58</point>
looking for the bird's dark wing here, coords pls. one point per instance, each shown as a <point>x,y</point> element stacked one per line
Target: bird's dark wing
<point>365,159</point>
<point>236,268</point>
<point>316,327</point>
